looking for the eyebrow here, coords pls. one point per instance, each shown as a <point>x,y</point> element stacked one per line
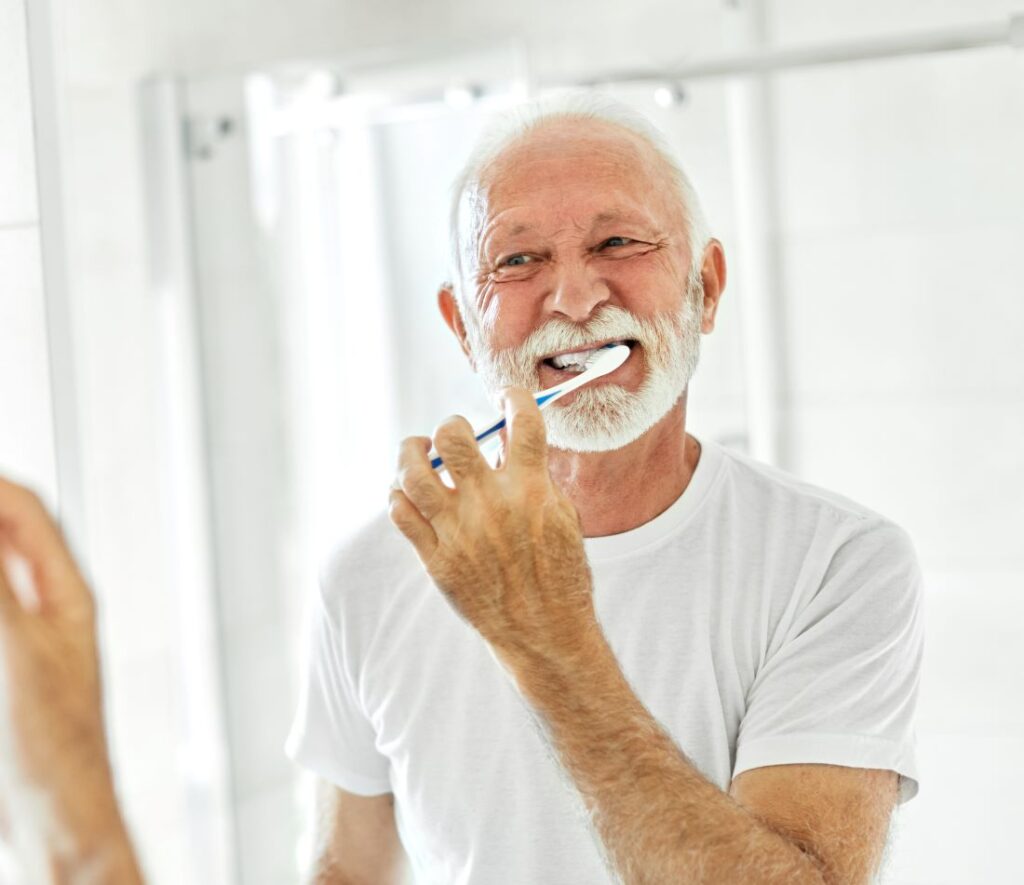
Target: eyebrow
<point>614,215</point>
<point>600,218</point>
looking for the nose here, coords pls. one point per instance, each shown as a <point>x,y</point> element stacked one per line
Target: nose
<point>576,293</point>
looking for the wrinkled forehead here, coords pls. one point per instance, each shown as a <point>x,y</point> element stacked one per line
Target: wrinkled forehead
<point>551,152</point>
<point>615,163</point>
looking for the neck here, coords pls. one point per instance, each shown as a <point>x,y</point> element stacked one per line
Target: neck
<point>619,490</point>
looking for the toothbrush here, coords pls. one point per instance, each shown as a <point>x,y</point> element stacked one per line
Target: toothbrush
<point>605,360</point>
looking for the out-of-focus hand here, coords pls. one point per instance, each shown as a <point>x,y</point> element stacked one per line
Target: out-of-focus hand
<point>54,715</point>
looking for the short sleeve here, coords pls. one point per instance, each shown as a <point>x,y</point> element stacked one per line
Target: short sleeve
<point>841,686</point>
<point>331,735</point>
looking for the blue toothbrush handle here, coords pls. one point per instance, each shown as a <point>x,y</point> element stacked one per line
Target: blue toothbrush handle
<point>485,435</point>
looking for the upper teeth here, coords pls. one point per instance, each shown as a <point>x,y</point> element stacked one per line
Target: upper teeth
<point>580,358</point>
<point>572,359</point>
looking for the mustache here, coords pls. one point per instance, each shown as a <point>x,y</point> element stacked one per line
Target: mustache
<point>613,323</point>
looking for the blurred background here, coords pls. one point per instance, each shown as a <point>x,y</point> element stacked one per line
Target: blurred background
<point>222,228</point>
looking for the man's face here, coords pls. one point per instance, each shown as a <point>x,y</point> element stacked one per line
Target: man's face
<point>577,239</point>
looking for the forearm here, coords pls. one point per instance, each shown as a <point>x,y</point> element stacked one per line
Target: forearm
<point>110,862</point>
<point>658,818</point>
<point>88,842</point>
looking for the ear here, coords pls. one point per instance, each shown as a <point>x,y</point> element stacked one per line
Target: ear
<point>449,307</point>
<point>713,274</point>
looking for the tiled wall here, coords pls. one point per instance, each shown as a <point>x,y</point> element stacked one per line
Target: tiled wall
<point>26,428</point>
<point>901,186</point>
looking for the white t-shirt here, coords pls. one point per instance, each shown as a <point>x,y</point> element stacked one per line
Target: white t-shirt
<point>760,619</point>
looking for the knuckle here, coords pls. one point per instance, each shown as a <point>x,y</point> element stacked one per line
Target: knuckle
<point>30,500</point>
<point>450,430</point>
<point>423,491</point>
<point>459,447</point>
<point>409,446</point>
<point>406,480</point>
<point>396,510</point>
<point>455,438</point>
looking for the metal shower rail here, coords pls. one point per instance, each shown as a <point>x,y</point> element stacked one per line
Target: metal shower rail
<point>1007,33</point>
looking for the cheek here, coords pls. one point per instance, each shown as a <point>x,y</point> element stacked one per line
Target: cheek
<point>508,314</point>
<point>648,283</point>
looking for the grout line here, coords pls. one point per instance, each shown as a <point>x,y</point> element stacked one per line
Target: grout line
<point>18,225</point>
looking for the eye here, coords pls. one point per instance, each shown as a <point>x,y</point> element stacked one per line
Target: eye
<point>616,241</point>
<point>517,260</point>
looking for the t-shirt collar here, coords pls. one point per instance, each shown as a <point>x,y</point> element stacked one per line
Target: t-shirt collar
<point>668,521</point>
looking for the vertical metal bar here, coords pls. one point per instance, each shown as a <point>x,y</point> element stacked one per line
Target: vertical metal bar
<point>204,746</point>
<point>761,303</point>
<point>47,115</point>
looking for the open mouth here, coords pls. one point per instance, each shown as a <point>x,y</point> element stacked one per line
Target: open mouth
<point>576,361</point>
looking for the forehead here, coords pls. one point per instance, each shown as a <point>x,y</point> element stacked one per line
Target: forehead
<point>579,170</point>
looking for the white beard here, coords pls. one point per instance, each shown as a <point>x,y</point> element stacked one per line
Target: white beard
<point>606,417</point>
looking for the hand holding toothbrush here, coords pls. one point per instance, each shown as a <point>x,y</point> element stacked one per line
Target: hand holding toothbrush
<point>504,545</point>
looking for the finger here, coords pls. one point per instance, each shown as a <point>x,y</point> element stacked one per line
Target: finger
<point>411,523</point>
<point>17,587</point>
<point>418,480</point>
<point>527,438</point>
<point>459,449</point>
<point>33,534</point>
<point>9,603</point>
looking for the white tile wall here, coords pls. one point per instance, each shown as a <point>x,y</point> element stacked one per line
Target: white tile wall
<point>964,691</point>
<point>119,352</point>
<point>963,825</point>
<point>269,854</point>
<point>17,158</point>
<point>970,729</point>
<point>26,431</point>
<point>260,709</point>
<point>803,21</point>
<point>887,314</point>
<point>910,142</point>
<point>949,471</point>
<point>106,38</point>
<point>156,821</point>
<point>143,712</point>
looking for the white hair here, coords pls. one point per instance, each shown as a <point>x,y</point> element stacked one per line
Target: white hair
<point>512,124</point>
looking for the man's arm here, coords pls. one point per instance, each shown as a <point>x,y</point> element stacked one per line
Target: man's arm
<point>660,820</point>
<point>356,839</point>
<point>837,814</point>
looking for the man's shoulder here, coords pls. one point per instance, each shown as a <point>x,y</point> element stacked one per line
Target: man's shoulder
<point>817,516</point>
<point>780,490</point>
<point>839,549</point>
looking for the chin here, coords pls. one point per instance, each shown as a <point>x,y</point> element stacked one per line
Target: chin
<point>602,423</point>
<point>608,418</point>
<point>599,441</point>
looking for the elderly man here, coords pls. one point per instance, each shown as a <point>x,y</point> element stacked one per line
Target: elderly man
<point>624,652</point>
